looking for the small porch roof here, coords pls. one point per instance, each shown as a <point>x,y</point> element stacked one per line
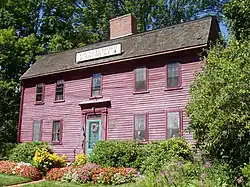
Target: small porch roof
<point>94,101</point>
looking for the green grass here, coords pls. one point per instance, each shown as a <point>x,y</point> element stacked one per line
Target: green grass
<point>6,180</point>
<point>62,184</point>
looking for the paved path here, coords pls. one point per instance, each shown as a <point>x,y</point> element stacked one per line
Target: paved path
<point>33,182</point>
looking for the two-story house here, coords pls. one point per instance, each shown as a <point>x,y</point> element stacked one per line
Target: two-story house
<point>133,86</point>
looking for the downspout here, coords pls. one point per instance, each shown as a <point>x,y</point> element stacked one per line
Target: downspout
<point>20,114</point>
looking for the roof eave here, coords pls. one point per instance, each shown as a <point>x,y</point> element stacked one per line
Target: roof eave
<point>116,61</point>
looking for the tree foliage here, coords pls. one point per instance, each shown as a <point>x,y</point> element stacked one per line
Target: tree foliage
<point>150,14</point>
<point>219,106</point>
<point>238,16</point>
<point>17,53</point>
<point>8,112</point>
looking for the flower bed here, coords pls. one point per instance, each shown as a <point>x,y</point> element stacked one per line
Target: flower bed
<point>20,169</point>
<point>6,167</point>
<point>92,173</point>
<point>58,173</point>
<point>115,176</point>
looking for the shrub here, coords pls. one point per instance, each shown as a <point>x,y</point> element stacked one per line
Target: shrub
<point>25,152</point>
<point>58,173</point>
<point>161,152</point>
<point>115,153</point>
<point>179,173</point>
<point>5,150</point>
<point>246,173</point>
<point>80,159</point>
<point>45,160</point>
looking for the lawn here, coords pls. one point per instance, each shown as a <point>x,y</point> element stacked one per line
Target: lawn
<point>61,184</point>
<point>6,180</point>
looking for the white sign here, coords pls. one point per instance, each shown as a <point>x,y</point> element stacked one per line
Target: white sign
<point>99,53</point>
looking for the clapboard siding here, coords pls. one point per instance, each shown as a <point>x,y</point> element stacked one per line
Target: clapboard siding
<point>118,86</point>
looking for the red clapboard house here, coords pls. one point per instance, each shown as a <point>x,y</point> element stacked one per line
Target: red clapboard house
<point>133,86</point>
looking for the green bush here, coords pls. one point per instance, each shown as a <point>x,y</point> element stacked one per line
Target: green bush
<point>5,149</point>
<point>246,173</point>
<point>161,152</point>
<point>188,174</point>
<point>115,153</point>
<point>219,104</point>
<point>25,152</point>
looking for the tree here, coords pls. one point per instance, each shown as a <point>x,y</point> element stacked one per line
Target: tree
<point>237,14</point>
<point>219,106</point>
<point>8,111</point>
<point>170,12</point>
<point>16,54</point>
<point>149,13</point>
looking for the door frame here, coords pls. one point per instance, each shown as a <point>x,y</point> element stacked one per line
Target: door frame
<point>104,121</point>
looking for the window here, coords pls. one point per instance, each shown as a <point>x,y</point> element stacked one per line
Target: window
<point>173,75</point>
<point>37,131</point>
<point>173,124</point>
<point>57,131</point>
<point>96,85</point>
<point>141,79</point>
<point>140,127</point>
<point>39,92</point>
<point>59,90</point>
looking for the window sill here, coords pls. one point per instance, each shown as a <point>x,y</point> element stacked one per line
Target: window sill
<point>39,103</point>
<point>59,101</point>
<point>96,97</point>
<point>175,88</point>
<point>141,92</point>
<point>56,143</point>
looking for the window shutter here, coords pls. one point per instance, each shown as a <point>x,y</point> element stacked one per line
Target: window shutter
<point>36,131</point>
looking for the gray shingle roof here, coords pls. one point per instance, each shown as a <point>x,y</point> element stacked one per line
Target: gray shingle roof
<point>181,36</point>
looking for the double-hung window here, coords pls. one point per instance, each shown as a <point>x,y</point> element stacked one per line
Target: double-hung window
<point>140,127</point>
<point>37,131</point>
<point>174,119</point>
<point>57,131</point>
<point>39,92</point>
<point>59,90</point>
<point>96,85</point>
<point>141,79</point>
<point>173,75</point>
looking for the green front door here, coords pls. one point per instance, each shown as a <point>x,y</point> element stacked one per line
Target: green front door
<point>93,134</point>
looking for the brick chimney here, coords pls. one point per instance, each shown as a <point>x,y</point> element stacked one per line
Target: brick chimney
<point>123,26</point>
